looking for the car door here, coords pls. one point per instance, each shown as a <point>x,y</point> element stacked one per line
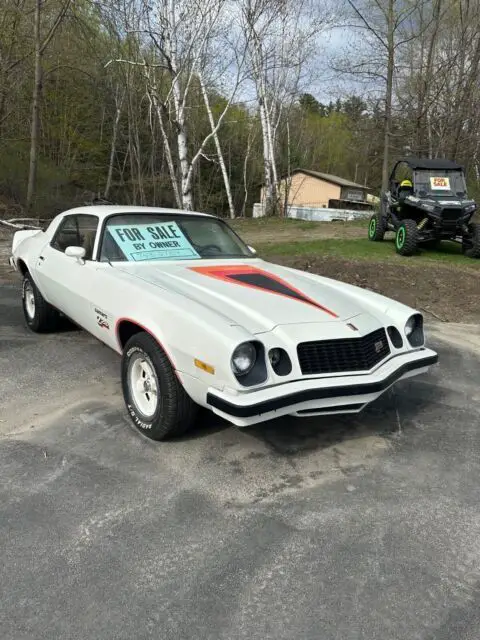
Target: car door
<point>69,284</point>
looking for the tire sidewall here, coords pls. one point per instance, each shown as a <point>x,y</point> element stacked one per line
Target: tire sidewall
<point>401,231</point>
<point>472,251</point>
<point>142,423</point>
<point>32,323</point>
<point>376,227</point>
<point>406,238</point>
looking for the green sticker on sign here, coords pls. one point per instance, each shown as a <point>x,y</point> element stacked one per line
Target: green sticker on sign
<point>163,241</point>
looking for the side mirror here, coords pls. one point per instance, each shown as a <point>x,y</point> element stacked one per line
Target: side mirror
<point>252,249</point>
<point>76,252</point>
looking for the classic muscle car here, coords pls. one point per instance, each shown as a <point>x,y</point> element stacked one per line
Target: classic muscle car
<point>200,320</point>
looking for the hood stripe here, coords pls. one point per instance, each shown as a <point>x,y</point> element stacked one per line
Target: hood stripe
<point>260,280</point>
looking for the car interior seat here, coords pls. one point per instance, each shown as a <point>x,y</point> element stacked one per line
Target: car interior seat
<point>88,243</point>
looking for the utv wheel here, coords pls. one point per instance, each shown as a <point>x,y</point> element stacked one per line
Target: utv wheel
<point>406,239</point>
<point>376,227</point>
<point>40,316</point>
<point>156,401</point>
<point>471,243</point>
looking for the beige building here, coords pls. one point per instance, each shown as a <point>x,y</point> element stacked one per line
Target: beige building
<point>307,188</point>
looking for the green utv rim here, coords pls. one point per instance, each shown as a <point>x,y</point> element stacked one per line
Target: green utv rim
<point>401,237</point>
<point>372,228</point>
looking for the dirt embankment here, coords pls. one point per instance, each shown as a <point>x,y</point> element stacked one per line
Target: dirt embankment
<point>446,293</point>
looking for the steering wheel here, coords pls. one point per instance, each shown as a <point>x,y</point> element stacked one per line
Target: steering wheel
<point>210,247</point>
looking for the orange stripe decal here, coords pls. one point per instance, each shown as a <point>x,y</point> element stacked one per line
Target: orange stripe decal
<point>260,280</point>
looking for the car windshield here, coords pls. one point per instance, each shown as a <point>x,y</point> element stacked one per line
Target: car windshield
<point>440,183</point>
<point>139,237</point>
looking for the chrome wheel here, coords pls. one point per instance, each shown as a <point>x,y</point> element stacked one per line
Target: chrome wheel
<point>29,300</point>
<point>143,384</point>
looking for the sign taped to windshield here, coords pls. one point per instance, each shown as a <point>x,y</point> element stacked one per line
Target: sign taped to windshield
<point>440,183</point>
<point>157,241</point>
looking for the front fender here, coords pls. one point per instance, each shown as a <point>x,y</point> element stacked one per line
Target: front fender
<point>188,335</point>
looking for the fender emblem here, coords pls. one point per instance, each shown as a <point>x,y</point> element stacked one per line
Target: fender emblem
<point>352,326</point>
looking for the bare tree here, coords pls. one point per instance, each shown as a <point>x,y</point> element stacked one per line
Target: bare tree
<point>181,32</point>
<point>279,44</point>
<point>438,86</point>
<point>387,26</point>
<point>159,108</point>
<point>41,42</point>
<point>11,55</point>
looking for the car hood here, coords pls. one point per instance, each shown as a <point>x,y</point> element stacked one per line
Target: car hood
<point>256,295</point>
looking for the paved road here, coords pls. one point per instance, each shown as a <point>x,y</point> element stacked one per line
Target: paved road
<point>363,528</point>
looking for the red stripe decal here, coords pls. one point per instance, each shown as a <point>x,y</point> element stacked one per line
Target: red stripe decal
<point>260,280</point>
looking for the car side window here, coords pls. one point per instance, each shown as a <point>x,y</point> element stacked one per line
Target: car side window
<point>76,231</point>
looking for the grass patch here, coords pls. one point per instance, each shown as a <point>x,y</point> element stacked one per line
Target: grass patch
<point>277,224</point>
<point>363,249</point>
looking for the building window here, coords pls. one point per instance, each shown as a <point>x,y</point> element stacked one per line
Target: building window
<point>353,194</point>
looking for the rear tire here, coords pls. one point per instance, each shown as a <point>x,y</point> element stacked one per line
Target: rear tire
<point>406,238</point>
<point>157,403</point>
<point>377,227</point>
<point>471,244</point>
<point>40,316</point>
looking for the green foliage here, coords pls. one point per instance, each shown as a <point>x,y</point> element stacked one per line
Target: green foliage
<point>363,249</point>
<point>79,102</point>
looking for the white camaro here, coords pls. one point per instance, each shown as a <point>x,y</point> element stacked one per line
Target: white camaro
<point>200,320</point>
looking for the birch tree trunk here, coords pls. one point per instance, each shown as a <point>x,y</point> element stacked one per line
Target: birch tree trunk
<point>170,38</point>
<point>245,172</point>
<point>388,92</point>
<point>166,147</point>
<point>113,149</point>
<point>221,161</point>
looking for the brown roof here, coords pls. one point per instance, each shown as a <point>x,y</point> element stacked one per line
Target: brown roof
<point>329,178</point>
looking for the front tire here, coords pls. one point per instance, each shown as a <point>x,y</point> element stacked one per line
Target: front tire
<point>377,227</point>
<point>156,401</point>
<point>406,238</point>
<point>40,316</point>
<point>471,243</point>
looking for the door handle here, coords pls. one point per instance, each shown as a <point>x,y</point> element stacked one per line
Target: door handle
<point>41,258</point>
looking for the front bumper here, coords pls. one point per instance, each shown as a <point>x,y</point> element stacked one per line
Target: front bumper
<point>339,394</point>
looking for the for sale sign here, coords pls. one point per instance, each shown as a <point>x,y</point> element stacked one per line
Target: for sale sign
<point>163,241</point>
<point>440,183</point>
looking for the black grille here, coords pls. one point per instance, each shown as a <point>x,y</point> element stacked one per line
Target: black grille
<point>350,354</point>
<point>451,215</point>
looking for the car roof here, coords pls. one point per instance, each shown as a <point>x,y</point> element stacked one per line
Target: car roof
<point>105,210</point>
<point>430,163</point>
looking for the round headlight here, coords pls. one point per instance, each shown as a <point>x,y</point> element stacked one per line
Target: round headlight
<point>243,359</point>
<point>414,330</point>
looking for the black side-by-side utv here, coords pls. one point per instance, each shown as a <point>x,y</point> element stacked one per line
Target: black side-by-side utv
<point>426,203</point>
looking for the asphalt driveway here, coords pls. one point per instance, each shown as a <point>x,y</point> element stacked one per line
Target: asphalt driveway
<point>347,528</point>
